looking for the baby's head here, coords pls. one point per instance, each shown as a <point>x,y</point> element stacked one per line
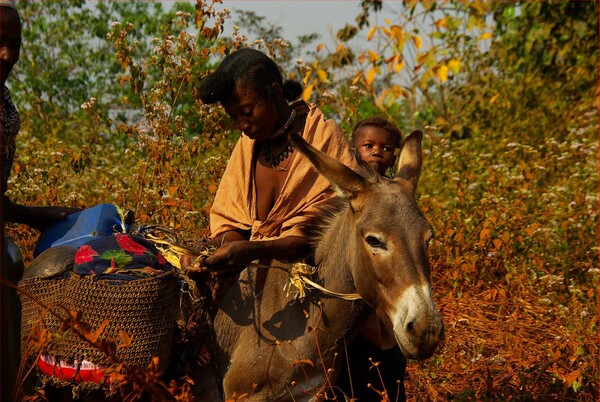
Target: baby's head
<point>375,140</point>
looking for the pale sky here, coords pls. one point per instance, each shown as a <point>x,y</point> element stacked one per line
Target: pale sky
<point>300,17</point>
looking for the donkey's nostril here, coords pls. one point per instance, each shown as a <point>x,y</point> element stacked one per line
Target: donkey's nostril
<point>410,326</point>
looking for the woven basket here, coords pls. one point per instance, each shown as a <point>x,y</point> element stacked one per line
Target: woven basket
<point>145,309</point>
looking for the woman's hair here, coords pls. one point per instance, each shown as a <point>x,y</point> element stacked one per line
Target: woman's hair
<point>251,68</point>
<point>381,123</point>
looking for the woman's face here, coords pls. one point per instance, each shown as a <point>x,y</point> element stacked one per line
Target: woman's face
<point>10,41</point>
<point>253,113</point>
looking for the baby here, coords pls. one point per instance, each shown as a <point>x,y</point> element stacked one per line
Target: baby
<point>375,140</point>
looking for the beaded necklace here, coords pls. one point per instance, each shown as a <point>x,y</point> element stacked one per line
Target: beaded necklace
<point>275,160</point>
<point>286,125</point>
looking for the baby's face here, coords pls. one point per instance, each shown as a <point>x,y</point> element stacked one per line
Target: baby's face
<point>375,146</point>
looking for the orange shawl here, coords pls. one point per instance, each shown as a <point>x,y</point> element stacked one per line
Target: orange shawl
<point>303,192</point>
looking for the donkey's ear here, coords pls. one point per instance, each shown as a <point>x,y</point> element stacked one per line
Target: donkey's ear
<point>411,158</point>
<point>341,176</point>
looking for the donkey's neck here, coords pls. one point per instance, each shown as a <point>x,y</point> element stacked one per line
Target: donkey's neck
<point>334,255</point>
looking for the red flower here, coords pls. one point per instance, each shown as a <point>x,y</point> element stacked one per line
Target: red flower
<point>84,254</point>
<point>127,244</point>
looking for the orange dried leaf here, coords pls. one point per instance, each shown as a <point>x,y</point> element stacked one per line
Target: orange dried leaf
<point>99,331</point>
<point>570,378</point>
<point>441,23</point>
<point>125,339</point>
<point>497,244</point>
<point>304,361</point>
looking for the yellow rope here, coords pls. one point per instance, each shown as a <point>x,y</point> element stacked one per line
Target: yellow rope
<point>300,277</point>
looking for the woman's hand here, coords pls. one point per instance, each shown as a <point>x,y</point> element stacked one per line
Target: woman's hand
<point>231,258</point>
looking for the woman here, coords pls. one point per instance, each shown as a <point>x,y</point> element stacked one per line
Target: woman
<point>268,193</point>
<point>36,217</point>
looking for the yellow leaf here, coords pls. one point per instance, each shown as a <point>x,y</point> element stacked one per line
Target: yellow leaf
<point>339,48</point>
<point>442,72</point>
<point>427,4</point>
<point>484,234</point>
<point>371,33</point>
<point>398,33</point>
<point>322,75</point>
<point>477,8</point>
<point>357,77</point>
<point>399,65</point>
<point>387,21</point>
<point>306,77</point>
<point>454,65</point>
<point>417,40</point>
<point>307,93</point>
<point>371,76</point>
<point>486,35</point>
<point>373,56</point>
<point>441,23</point>
<point>320,46</point>
<point>494,98</point>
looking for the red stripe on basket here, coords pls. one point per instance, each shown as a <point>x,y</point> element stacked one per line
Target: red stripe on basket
<point>86,372</point>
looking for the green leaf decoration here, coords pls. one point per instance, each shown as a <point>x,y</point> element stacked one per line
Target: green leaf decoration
<point>120,257</point>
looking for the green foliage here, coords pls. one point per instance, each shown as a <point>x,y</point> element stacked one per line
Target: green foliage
<point>534,73</point>
<point>66,60</point>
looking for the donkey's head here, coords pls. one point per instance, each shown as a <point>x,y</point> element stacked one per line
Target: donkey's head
<point>387,239</point>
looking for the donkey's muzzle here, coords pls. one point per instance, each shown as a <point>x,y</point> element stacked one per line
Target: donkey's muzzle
<point>421,336</point>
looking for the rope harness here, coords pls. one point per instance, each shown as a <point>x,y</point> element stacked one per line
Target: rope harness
<point>299,273</point>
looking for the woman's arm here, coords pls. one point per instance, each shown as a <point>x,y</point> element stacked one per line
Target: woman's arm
<point>36,217</point>
<point>186,261</point>
<point>234,256</point>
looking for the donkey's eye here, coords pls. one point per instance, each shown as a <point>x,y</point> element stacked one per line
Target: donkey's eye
<point>374,242</point>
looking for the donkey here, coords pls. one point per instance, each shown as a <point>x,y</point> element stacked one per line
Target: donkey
<point>268,346</point>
